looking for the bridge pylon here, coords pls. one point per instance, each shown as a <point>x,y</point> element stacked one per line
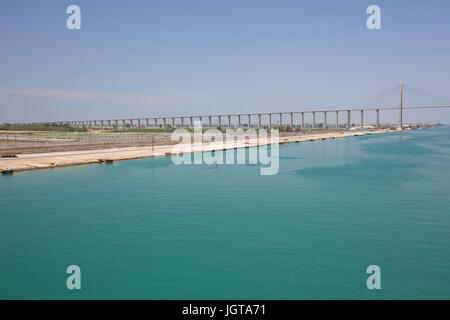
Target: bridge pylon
<point>400,106</point>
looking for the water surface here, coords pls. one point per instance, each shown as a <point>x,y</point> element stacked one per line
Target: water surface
<point>148,229</point>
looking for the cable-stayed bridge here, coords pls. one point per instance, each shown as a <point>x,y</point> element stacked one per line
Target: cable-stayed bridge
<point>330,117</point>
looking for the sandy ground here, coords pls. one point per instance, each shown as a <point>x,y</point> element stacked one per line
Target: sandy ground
<point>79,157</point>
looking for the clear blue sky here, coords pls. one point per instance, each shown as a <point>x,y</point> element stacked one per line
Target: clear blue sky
<point>146,58</point>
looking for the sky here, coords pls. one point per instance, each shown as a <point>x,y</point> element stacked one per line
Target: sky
<point>146,58</point>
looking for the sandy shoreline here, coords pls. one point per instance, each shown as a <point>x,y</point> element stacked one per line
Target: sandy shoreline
<point>36,161</point>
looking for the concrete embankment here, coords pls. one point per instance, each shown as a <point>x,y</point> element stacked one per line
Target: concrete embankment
<point>64,159</point>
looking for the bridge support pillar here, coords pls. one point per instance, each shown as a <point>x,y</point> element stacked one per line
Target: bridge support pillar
<point>249,121</point>
<point>270,120</point>
<point>337,119</point>
<point>400,115</point>
<point>362,119</point>
<point>325,119</point>
<point>292,120</point>
<point>348,119</point>
<point>303,120</point>
<point>259,120</point>
<point>314,120</point>
<point>378,118</point>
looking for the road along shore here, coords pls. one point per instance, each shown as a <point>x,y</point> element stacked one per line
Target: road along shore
<point>34,161</point>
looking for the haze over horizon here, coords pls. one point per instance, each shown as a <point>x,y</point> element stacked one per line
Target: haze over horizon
<point>162,58</point>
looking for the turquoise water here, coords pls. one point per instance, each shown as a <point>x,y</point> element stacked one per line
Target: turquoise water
<point>149,229</point>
